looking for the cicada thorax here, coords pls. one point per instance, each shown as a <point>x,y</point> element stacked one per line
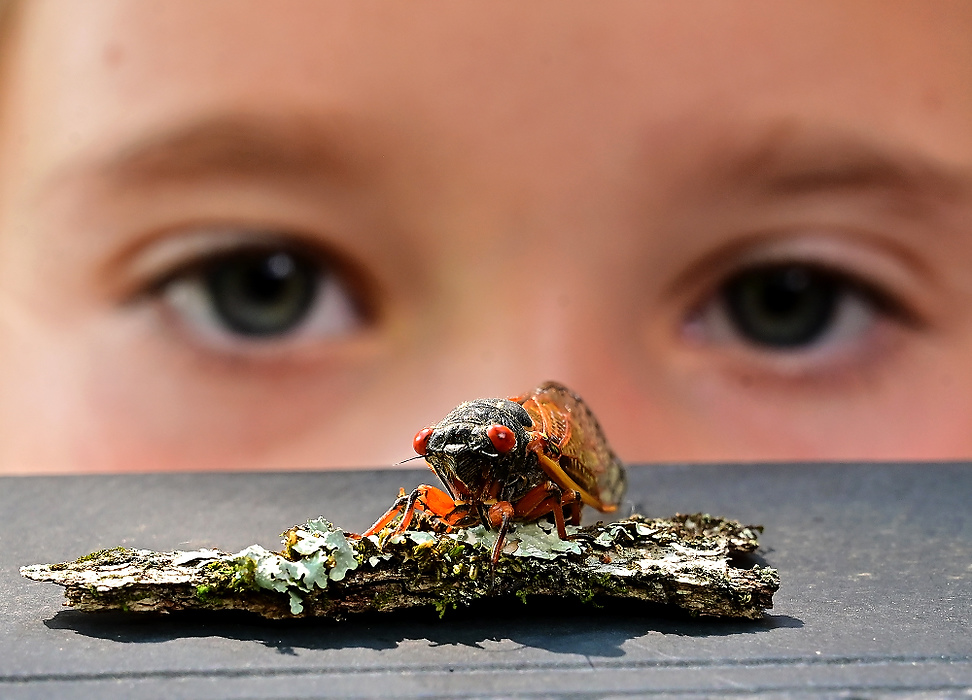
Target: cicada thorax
<point>476,459</point>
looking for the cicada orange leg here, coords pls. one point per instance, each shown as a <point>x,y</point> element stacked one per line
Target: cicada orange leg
<point>545,499</point>
<point>427,499</point>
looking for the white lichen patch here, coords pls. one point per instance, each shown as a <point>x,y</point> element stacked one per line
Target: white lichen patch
<point>525,540</point>
<point>325,555</point>
<point>112,576</point>
<point>535,540</point>
<point>197,555</point>
<point>623,533</point>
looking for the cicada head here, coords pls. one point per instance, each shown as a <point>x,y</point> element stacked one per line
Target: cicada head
<point>476,448</point>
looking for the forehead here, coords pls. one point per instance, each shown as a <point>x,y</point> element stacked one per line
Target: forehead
<point>463,73</point>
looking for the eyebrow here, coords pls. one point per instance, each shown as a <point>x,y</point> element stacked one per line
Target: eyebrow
<point>794,162</point>
<point>239,146</point>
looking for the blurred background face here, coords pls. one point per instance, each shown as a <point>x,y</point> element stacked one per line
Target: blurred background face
<point>240,234</point>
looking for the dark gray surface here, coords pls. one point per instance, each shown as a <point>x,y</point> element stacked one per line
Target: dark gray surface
<point>876,563</point>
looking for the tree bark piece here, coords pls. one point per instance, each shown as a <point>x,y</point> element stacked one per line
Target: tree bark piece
<point>685,562</point>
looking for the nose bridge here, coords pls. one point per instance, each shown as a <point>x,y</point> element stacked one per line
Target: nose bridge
<point>502,323</point>
<point>520,335</point>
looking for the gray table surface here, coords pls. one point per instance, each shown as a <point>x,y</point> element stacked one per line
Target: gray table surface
<point>875,560</point>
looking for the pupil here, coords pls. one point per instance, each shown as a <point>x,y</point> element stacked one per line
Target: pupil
<point>784,306</point>
<point>262,293</point>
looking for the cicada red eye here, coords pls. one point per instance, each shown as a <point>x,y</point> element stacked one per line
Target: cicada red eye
<point>421,441</point>
<point>503,438</point>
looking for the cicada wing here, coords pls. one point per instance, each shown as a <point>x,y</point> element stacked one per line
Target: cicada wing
<point>584,453</point>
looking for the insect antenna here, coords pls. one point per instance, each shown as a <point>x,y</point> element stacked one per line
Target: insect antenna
<point>410,459</point>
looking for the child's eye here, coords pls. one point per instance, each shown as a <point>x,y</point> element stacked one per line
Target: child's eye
<point>791,307</point>
<point>788,306</point>
<point>263,294</point>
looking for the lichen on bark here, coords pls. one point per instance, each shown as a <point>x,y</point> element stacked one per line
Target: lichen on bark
<point>686,562</point>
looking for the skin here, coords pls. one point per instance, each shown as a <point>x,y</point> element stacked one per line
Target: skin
<point>510,193</point>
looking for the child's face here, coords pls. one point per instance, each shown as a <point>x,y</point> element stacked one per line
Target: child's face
<point>240,234</point>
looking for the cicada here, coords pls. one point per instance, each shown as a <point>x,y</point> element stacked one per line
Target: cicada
<point>511,460</point>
